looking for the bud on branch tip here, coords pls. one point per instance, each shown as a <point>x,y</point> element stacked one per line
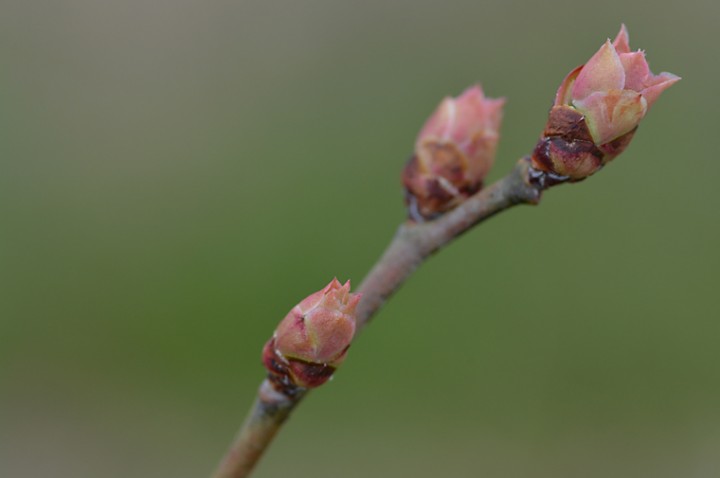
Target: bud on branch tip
<point>313,338</point>
<point>597,110</point>
<point>454,151</point>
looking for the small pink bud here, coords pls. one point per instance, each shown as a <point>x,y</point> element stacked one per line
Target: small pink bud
<point>453,152</point>
<point>597,110</point>
<point>313,338</point>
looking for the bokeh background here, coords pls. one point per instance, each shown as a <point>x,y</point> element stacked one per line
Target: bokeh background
<point>175,175</point>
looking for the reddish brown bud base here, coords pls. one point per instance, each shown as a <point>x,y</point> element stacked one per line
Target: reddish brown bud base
<point>566,151</point>
<point>429,196</point>
<point>286,374</point>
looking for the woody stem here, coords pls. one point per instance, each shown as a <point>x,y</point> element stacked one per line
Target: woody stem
<point>415,242</point>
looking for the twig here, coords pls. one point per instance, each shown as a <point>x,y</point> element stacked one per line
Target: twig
<point>412,244</point>
<point>415,242</point>
<point>268,413</point>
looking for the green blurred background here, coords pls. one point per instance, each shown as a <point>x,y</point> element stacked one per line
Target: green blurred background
<point>176,175</point>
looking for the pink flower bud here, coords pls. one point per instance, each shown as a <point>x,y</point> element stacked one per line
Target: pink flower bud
<point>313,338</point>
<point>597,110</point>
<point>453,152</point>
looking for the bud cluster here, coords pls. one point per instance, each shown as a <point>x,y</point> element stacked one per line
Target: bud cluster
<point>453,152</point>
<point>596,112</point>
<point>313,338</point>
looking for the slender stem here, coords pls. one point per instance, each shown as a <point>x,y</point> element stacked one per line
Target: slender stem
<point>412,244</point>
<point>268,413</point>
<point>415,242</point>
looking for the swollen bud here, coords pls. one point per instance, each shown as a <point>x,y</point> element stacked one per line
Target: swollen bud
<point>597,110</point>
<point>453,152</point>
<point>313,338</point>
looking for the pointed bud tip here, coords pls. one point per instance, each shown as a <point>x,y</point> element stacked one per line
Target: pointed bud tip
<point>472,92</point>
<point>622,40</point>
<point>352,304</point>
<point>334,284</point>
<point>603,72</point>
